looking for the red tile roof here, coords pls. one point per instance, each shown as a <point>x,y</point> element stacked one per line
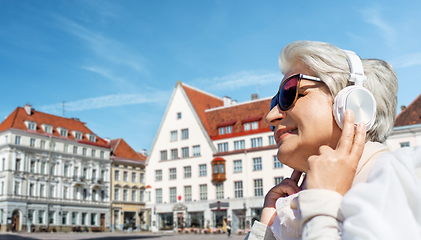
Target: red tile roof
<point>202,101</point>
<point>16,120</point>
<point>411,114</point>
<point>122,151</point>
<point>240,113</point>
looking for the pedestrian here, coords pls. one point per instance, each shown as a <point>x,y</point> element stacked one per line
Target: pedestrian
<point>229,229</point>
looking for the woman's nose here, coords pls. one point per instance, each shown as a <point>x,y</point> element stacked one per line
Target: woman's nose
<point>274,116</point>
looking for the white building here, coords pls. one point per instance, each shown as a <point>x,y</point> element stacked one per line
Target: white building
<point>54,172</point>
<point>212,161</point>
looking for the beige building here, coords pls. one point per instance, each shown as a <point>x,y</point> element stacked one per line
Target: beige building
<point>127,188</point>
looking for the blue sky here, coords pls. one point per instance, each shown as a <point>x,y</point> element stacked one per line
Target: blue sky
<point>116,63</point>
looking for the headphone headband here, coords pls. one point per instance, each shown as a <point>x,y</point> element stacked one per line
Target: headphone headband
<point>356,66</point>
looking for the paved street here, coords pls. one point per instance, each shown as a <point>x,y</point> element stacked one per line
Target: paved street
<point>115,236</point>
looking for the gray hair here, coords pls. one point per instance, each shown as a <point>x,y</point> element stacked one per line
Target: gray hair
<point>329,63</point>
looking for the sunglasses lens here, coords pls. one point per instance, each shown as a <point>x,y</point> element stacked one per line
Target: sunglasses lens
<point>288,93</point>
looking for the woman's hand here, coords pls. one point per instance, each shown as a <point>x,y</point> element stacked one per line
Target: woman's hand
<point>287,187</point>
<point>334,169</point>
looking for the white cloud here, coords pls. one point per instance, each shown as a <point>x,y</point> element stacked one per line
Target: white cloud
<point>113,100</point>
<point>408,60</point>
<point>373,16</point>
<point>241,79</point>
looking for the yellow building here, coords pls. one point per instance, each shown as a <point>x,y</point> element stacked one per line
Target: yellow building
<point>127,187</point>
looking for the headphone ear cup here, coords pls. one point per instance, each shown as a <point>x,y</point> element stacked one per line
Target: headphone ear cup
<point>360,101</point>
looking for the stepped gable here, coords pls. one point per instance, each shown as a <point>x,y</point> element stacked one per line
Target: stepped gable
<point>122,151</point>
<point>16,120</point>
<point>411,114</point>
<point>239,113</point>
<point>202,101</point>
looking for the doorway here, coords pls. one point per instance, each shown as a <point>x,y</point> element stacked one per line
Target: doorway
<point>15,221</point>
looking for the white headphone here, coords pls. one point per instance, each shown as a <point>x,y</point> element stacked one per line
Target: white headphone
<point>355,97</point>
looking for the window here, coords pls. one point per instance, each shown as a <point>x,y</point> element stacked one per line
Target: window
<point>84,151</point>
<point>277,163</point>
<point>41,216</point>
<point>256,142</point>
<point>66,170</point>
<point>94,194</point>
<point>64,218</point>
<point>223,147</point>
<point>43,167</point>
<point>66,148</point>
<point>238,189</point>
<point>78,135</point>
<point>404,144</point>
<point>92,138</point>
<point>74,149</point>
<point>215,168</point>
<point>52,146</point>
<point>31,126</point>
<point>74,218</point>
<point>134,193</point>
<point>229,130</point>
<point>17,164</point>
<point>196,150</point>
<point>246,126</point>
<point>158,175</point>
<point>102,195</point>
<point>255,125</point>
<point>116,175</point>
<point>31,216</point>
<point>258,187</point>
<point>93,153</point>
<point>42,144</point>
<point>185,133</point>
<point>117,194</point>
<point>102,175</point>
<point>272,140</point>
<point>221,130</point>
<point>173,194</point>
<point>221,168</point>
<point>32,142</point>
<point>134,177</point>
<point>84,218</point>
<point>187,193</point>
<point>202,170</point>
<point>238,166</point>
<point>203,192</point>
<point>42,190</point>
<point>125,176</point>
<point>17,140</point>
<point>187,172</point>
<point>17,188</point>
<point>65,192</point>
<point>63,132</point>
<point>179,115</point>
<point>85,173</point>
<point>101,154</point>
<point>219,191</point>
<point>142,196</point>
<point>158,195</point>
<point>174,136</point>
<point>125,195</point>
<point>6,139</point>
<point>278,180</point>
<point>257,164</point>
<point>93,176</point>
<point>48,129</point>
<point>241,144</point>
<point>32,166</point>
<point>225,130</point>
<point>185,152</point>
<point>84,194</point>
<point>31,189</point>
<point>51,217</point>
<point>141,177</point>
<point>174,153</point>
<point>93,219</point>
<point>173,173</point>
<point>53,169</point>
<point>164,155</point>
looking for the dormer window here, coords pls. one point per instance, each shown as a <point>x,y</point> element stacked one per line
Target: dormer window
<point>91,137</point>
<point>47,128</point>
<point>251,123</point>
<point>31,125</point>
<point>63,132</point>
<point>225,127</point>
<point>78,135</point>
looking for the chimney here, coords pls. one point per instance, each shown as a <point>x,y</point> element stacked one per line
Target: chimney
<point>403,107</point>
<point>28,109</point>
<point>107,140</point>
<point>233,102</point>
<point>254,96</point>
<point>227,101</point>
<point>143,152</point>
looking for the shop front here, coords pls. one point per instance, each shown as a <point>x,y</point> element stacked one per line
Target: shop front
<point>166,221</point>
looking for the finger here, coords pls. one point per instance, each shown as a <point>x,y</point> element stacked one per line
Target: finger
<point>359,142</point>
<point>296,175</point>
<point>290,183</point>
<point>347,136</point>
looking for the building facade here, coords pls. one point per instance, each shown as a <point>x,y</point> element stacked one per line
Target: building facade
<point>128,188</point>
<point>54,173</point>
<point>212,162</point>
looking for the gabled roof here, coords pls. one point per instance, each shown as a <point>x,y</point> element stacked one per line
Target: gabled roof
<point>122,151</point>
<point>202,101</point>
<point>16,120</point>
<point>239,114</point>
<point>411,114</point>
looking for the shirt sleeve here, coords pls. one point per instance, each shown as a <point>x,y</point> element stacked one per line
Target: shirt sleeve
<point>260,231</point>
<point>321,218</point>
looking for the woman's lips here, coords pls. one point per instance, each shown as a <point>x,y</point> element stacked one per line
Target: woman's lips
<point>282,133</point>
